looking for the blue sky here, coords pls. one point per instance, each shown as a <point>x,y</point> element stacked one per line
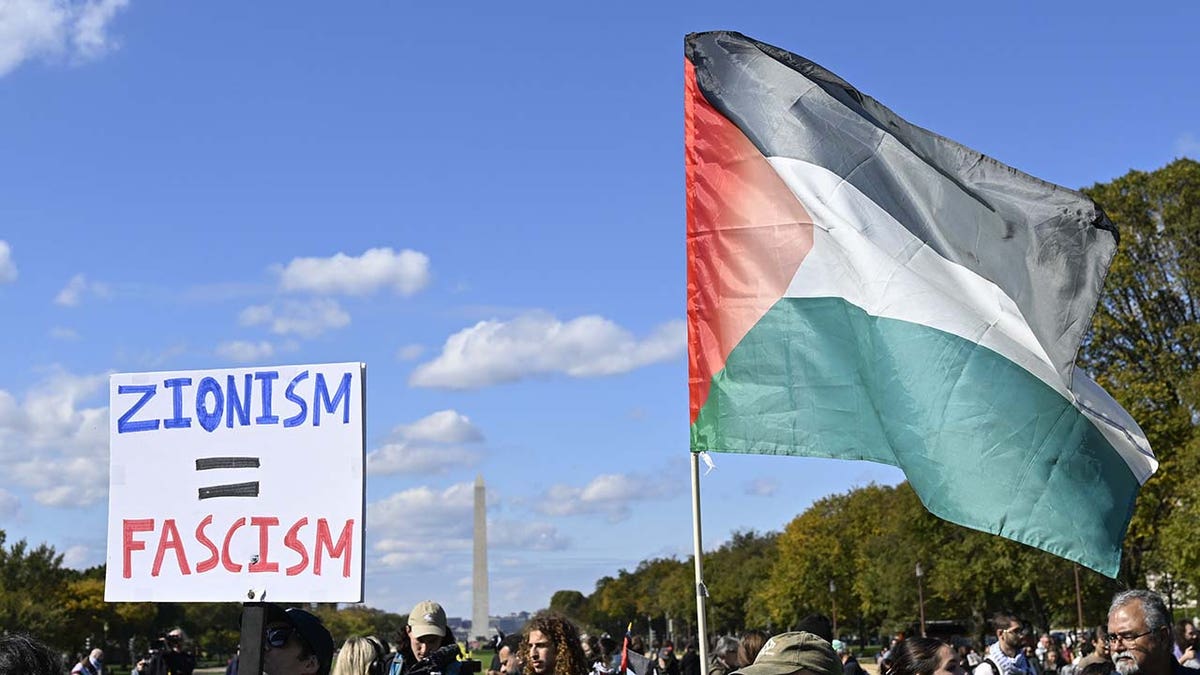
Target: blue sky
<point>483,203</point>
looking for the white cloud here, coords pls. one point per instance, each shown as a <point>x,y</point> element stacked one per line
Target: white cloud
<point>429,445</point>
<point>242,351</point>
<point>55,29</point>
<point>536,344</point>
<point>8,268</point>
<point>10,504</point>
<point>293,317</point>
<point>405,273</point>
<point>53,444</point>
<point>78,557</point>
<point>77,288</point>
<point>609,494</point>
<point>443,426</point>
<point>422,515</point>
<point>762,487</point>
<point>64,334</point>
<point>410,352</point>
<point>1188,146</point>
<point>404,457</point>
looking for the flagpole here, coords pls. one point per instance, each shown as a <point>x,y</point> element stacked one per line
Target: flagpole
<point>697,550</point>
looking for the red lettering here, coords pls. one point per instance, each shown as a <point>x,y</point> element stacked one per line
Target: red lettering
<point>129,544</point>
<point>263,565</point>
<point>293,542</point>
<point>225,559</point>
<point>169,539</point>
<point>343,545</point>
<point>212,548</point>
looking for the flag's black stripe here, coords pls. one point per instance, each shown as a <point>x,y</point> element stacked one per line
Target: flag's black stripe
<point>231,490</point>
<point>1045,246</point>
<point>226,463</point>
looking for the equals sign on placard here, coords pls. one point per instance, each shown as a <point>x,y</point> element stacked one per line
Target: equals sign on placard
<point>249,489</point>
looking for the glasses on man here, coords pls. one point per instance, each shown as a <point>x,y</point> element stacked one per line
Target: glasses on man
<point>1114,638</point>
<point>1019,630</point>
<point>278,637</point>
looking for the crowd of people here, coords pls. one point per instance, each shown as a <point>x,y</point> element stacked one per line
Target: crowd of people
<point>1139,638</point>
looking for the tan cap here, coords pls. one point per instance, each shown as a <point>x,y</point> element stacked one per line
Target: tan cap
<point>428,618</point>
<point>787,653</point>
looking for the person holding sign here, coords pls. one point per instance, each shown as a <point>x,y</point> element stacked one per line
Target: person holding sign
<point>295,643</point>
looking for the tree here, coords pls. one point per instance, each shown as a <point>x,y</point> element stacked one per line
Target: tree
<point>1144,349</point>
<point>572,604</point>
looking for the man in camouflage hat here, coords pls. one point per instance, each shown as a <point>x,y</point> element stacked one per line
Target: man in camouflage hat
<point>797,653</point>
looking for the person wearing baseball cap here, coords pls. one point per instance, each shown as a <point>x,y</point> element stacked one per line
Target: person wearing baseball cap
<point>425,633</point>
<point>295,643</point>
<point>798,653</point>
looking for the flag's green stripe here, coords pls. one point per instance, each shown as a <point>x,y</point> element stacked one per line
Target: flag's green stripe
<point>971,429</point>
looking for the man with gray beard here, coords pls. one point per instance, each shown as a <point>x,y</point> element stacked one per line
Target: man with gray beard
<point>1139,635</point>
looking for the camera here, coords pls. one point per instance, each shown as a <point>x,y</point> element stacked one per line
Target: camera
<point>445,659</point>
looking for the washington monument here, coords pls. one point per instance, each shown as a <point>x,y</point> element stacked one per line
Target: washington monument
<point>479,586</point>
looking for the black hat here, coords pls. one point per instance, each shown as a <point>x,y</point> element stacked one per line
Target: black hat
<point>310,629</point>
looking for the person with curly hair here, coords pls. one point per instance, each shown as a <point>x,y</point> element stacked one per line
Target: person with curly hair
<point>21,654</point>
<point>550,646</point>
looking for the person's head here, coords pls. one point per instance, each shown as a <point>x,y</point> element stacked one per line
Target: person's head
<point>668,647</point>
<point>175,639</point>
<point>550,646</point>
<point>1185,634</point>
<point>1052,657</point>
<point>1099,641</point>
<point>726,650</point>
<point>360,656</point>
<point>1010,631</point>
<point>508,653</point>
<point>817,624</point>
<point>796,653</point>
<point>426,630</point>
<point>841,649</point>
<point>295,643</point>
<point>637,644</point>
<point>20,654</point>
<point>1096,668</point>
<point>924,656</point>
<point>1139,633</point>
<point>97,656</point>
<point>751,643</point>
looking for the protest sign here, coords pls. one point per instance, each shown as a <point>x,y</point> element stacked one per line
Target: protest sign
<point>228,484</point>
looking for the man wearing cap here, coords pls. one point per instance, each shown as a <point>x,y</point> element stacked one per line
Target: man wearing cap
<point>797,653</point>
<point>425,633</point>
<point>295,643</point>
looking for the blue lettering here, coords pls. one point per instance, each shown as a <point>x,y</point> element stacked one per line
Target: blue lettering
<point>266,377</point>
<point>209,420</point>
<point>178,421</point>
<point>233,402</point>
<point>298,419</point>
<point>321,397</point>
<point>147,391</point>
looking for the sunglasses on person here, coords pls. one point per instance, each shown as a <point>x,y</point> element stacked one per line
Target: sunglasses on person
<point>1019,630</point>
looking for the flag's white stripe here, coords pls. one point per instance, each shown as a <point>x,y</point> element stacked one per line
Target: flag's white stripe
<point>862,254</point>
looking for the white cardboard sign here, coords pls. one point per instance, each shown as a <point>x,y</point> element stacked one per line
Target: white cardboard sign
<point>225,484</point>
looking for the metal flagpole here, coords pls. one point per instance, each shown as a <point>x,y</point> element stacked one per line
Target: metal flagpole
<point>697,550</point>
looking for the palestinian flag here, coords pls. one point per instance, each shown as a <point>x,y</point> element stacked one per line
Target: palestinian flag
<point>861,288</point>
